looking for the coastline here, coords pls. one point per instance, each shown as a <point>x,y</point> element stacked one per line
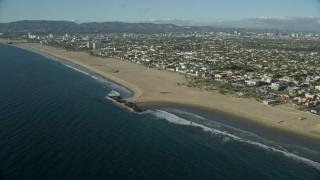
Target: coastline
<point>147,85</point>
<point>264,133</point>
<point>11,41</point>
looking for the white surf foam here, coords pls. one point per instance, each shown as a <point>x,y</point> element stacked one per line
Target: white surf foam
<point>227,136</point>
<point>242,133</point>
<point>214,124</point>
<point>95,77</point>
<point>78,70</point>
<point>121,105</point>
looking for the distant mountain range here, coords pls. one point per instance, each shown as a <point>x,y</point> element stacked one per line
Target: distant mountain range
<point>282,23</point>
<point>311,24</point>
<point>40,26</point>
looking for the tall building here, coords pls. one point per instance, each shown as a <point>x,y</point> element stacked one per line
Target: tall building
<point>89,45</point>
<point>30,36</point>
<point>96,45</point>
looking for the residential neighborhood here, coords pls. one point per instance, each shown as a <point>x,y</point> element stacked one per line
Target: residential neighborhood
<point>270,67</point>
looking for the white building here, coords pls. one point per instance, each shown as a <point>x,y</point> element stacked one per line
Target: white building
<point>96,46</point>
<point>89,45</point>
<point>252,82</point>
<point>30,36</point>
<point>310,96</point>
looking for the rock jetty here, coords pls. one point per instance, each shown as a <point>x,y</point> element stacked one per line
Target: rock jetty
<point>129,104</point>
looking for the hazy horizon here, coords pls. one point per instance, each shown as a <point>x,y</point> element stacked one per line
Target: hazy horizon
<point>147,11</point>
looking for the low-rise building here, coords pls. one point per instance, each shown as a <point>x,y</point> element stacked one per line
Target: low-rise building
<point>270,101</point>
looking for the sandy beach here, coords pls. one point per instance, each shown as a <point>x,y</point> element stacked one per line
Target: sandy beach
<point>6,41</point>
<point>159,86</point>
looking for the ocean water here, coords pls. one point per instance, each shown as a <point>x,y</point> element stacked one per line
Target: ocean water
<point>56,123</point>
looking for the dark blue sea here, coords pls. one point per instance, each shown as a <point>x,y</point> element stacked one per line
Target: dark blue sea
<point>56,123</point>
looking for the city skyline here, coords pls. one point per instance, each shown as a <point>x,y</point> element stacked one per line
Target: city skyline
<point>143,11</point>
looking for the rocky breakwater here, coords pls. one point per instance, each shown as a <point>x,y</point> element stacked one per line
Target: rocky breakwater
<point>116,97</point>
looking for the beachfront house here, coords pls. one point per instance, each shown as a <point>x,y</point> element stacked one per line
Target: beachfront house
<point>310,96</point>
<point>270,101</point>
<point>220,76</point>
<point>278,86</point>
<point>252,82</point>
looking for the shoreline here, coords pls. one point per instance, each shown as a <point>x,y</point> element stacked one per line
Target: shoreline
<point>299,144</point>
<point>147,85</point>
<point>268,133</point>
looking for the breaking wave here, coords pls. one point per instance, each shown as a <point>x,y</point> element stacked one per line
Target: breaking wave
<point>227,137</point>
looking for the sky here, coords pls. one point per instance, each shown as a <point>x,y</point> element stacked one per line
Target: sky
<point>144,10</point>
